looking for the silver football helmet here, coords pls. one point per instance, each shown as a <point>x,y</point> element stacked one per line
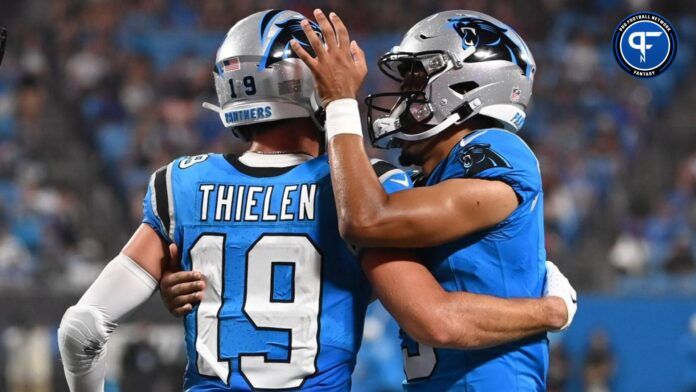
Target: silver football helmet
<point>452,66</point>
<point>257,75</point>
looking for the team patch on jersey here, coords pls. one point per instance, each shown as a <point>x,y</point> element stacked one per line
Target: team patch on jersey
<point>479,157</point>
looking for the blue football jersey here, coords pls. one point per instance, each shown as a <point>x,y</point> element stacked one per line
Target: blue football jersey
<point>285,299</point>
<point>507,260</point>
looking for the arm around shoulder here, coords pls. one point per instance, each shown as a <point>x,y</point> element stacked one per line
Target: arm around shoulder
<point>432,215</point>
<point>461,320</point>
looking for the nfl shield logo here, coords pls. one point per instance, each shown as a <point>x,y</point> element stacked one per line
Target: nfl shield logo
<point>515,94</point>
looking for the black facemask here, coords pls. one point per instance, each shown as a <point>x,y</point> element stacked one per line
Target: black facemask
<point>409,108</point>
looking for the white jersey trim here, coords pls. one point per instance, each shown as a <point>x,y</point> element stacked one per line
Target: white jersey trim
<point>255,159</point>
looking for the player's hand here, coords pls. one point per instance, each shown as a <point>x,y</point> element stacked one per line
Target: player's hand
<point>180,290</point>
<point>339,68</point>
<point>557,285</point>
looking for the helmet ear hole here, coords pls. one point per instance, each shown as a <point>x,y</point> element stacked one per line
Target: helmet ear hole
<point>464,87</point>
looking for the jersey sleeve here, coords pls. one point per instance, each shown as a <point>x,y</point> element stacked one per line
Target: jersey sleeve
<point>156,205</point>
<point>499,155</point>
<point>392,178</point>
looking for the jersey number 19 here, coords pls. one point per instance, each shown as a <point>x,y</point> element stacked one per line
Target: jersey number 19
<point>299,315</point>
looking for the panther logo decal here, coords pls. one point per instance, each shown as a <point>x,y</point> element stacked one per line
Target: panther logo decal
<point>479,157</point>
<point>490,42</point>
<point>276,38</point>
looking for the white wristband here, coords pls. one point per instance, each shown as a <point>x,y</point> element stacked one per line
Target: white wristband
<point>342,117</point>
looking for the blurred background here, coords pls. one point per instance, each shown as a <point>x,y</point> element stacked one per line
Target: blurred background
<point>96,95</point>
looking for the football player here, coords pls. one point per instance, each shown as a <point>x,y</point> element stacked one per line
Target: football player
<point>284,296</point>
<point>477,216</point>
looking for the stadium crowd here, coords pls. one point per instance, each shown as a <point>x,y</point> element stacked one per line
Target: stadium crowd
<point>96,95</point>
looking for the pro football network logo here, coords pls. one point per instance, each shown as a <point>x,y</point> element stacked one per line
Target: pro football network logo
<point>645,44</point>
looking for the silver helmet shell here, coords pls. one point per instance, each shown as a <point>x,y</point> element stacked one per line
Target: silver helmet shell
<point>258,77</point>
<point>470,63</point>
